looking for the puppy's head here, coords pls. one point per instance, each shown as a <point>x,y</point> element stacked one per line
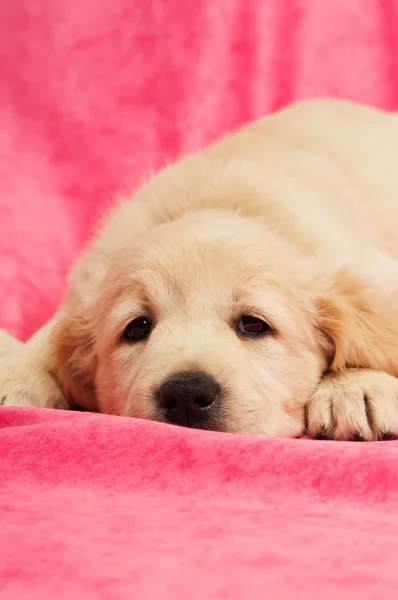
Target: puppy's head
<point>200,322</point>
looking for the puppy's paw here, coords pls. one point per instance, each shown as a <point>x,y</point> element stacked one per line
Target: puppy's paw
<point>26,383</point>
<point>357,404</point>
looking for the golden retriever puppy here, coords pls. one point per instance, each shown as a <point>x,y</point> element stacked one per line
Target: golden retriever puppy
<point>249,288</point>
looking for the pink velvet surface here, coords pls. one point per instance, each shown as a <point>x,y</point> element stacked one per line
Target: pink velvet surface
<point>94,95</point>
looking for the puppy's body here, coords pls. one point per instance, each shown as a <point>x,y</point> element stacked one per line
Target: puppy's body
<point>290,220</point>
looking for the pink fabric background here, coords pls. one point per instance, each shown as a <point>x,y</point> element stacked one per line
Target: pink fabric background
<point>93,96</point>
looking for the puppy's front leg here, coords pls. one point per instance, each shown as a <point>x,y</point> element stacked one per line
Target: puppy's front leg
<point>356,404</point>
<point>27,375</point>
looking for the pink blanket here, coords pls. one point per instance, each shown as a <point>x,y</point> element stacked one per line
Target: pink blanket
<point>95,94</point>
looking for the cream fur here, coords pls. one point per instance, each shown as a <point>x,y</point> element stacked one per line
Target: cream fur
<point>292,219</point>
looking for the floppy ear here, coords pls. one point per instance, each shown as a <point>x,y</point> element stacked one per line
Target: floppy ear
<point>73,335</point>
<point>75,359</point>
<point>361,324</point>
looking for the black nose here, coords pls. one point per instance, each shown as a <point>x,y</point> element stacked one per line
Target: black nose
<point>188,398</point>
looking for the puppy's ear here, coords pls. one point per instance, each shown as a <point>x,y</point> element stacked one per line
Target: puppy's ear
<point>74,356</point>
<point>359,325</point>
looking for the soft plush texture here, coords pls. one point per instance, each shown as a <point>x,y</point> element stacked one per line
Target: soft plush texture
<point>95,506</point>
<point>94,95</point>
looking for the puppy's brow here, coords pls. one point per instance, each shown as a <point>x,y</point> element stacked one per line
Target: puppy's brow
<point>236,298</point>
<point>240,305</point>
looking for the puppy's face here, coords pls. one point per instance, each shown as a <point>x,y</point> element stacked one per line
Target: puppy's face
<point>202,323</point>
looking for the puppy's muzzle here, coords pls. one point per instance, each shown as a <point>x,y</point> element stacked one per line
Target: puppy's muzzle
<point>190,399</point>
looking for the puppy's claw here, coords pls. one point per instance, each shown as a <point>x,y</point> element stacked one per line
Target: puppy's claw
<point>357,437</point>
<point>388,436</point>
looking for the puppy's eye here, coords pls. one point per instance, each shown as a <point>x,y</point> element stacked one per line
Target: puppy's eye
<point>138,330</point>
<point>252,326</point>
